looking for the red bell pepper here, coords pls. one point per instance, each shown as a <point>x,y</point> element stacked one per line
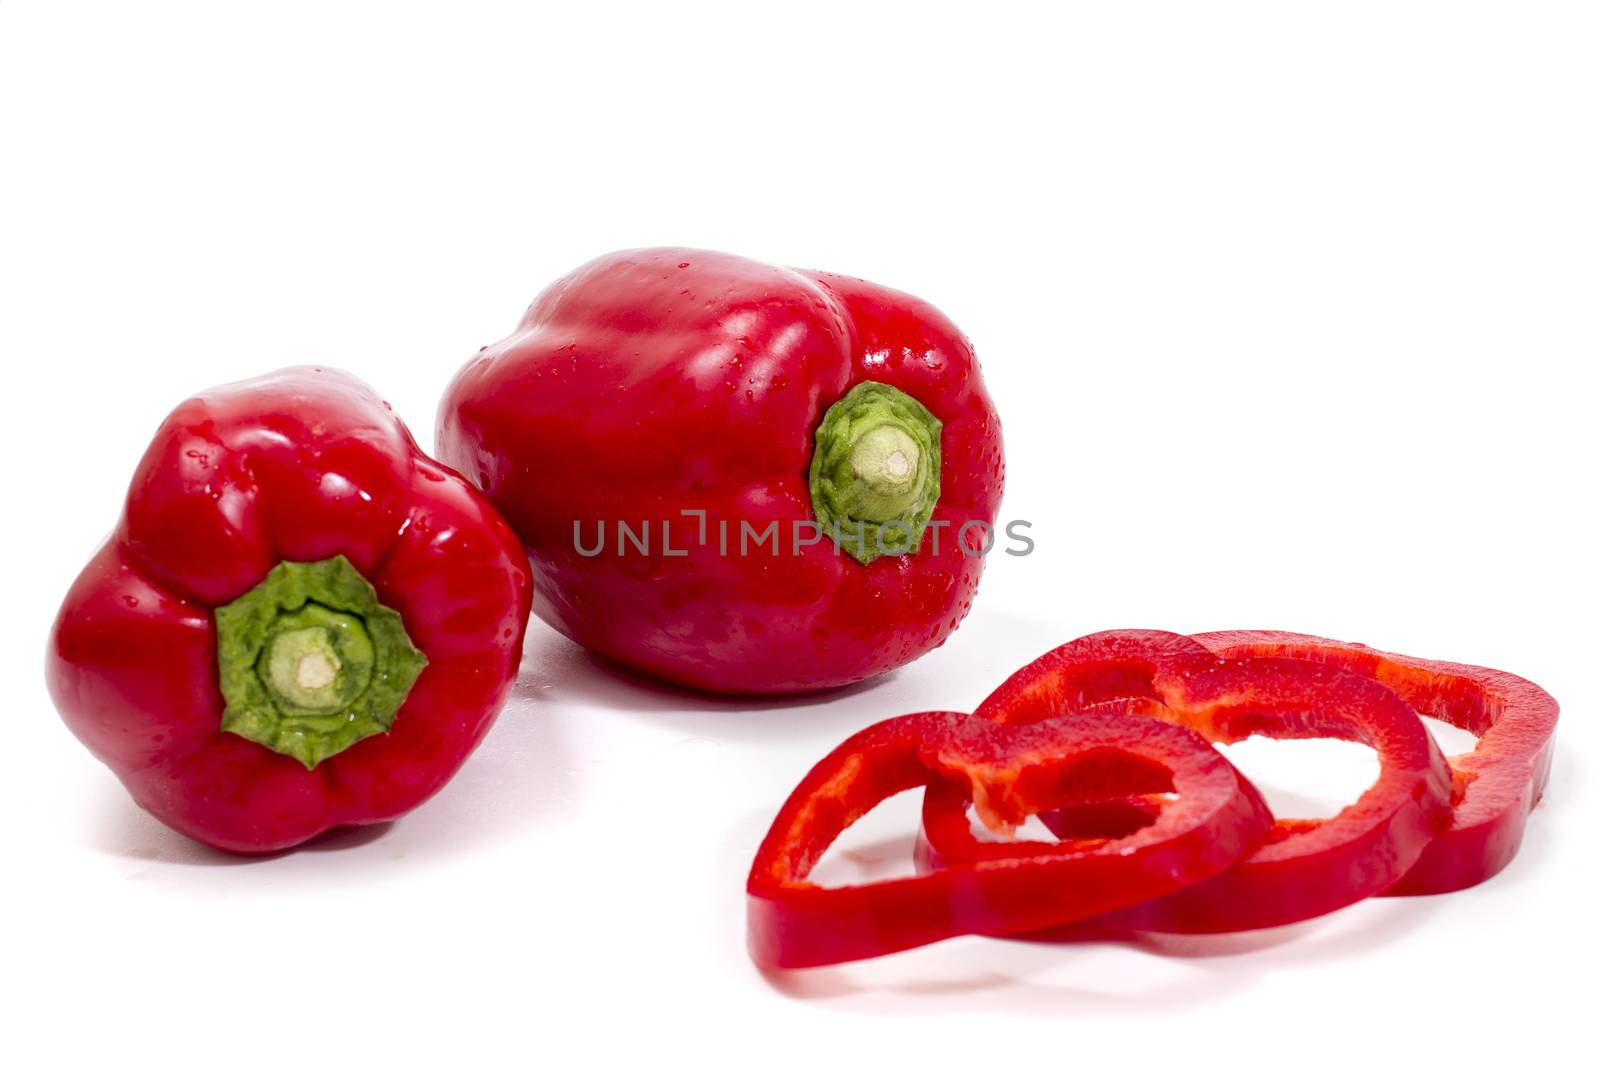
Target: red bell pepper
<point>300,622</point>
<point>1496,784</point>
<point>1017,886</point>
<point>1307,867</point>
<point>735,476</point>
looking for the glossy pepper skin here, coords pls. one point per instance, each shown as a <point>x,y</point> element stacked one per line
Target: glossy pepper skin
<point>655,382</point>
<point>1014,887</point>
<point>308,466</point>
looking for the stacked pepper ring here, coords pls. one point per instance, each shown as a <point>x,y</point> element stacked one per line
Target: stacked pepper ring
<point>1496,785</point>
<point>1007,773</point>
<point>1426,825</point>
<point>1305,868</point>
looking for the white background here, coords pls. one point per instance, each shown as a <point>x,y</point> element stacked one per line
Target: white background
<point>1290,314</point>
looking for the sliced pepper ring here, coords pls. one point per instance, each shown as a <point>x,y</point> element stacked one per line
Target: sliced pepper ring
<point>1098,668</point>
<point>1496,785</point>
<point>1306,868</point>
<point>1007,773</point>
<point>1090,811</point>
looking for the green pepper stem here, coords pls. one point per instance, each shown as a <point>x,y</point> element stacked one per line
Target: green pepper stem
<point>301,667</point>
<point>875,472</point>
<point>311,663</point>
<point>884,462</point>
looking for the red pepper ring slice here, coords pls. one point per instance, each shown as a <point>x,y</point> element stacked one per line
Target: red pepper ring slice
<point>1496,784</point>
<point>1008,773</point>
<point>1303,870</point>
<point>1087,814</point>
<point>1098,668</point>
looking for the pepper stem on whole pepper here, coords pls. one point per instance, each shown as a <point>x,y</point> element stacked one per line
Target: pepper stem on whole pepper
<point>316,660</point>
<point>875,471</point>
<point>310,662</point>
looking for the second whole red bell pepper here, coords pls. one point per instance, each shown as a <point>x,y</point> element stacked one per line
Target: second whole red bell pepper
<point>300,622</point>
<point>737,476</point>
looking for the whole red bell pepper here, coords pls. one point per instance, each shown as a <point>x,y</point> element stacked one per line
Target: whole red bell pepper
<point>1496,784</point>
<point>1307,867</point>
<point>300,622</point>
<point>737,476</point>
<point>1007,773</point>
